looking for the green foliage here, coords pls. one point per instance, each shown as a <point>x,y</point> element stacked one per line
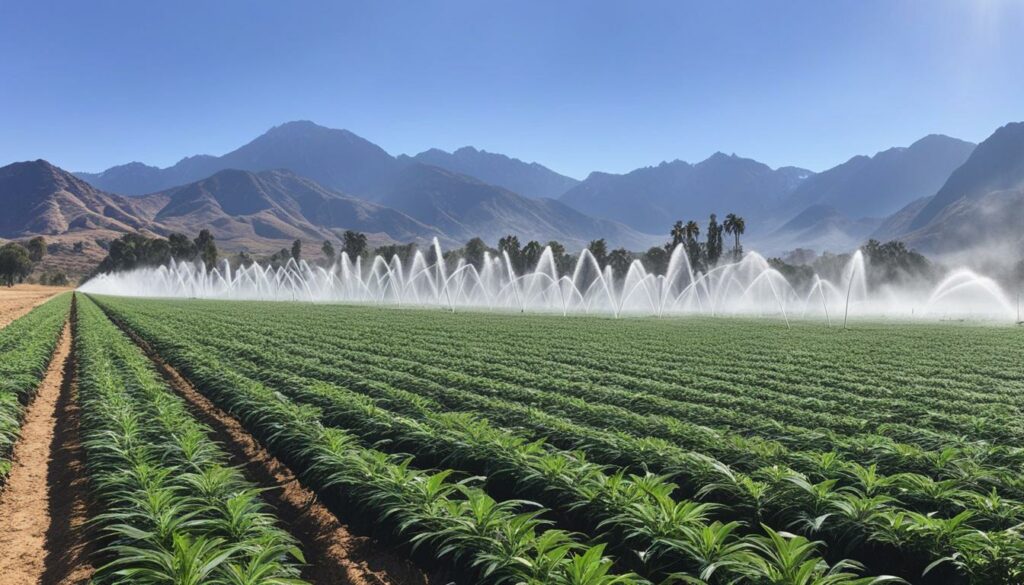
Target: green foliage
<point>328,250</point>
<point>599,248</point>
<point>354,244</point>
<point>404,252</point>
<point>893,263</point>
<point>671,441</point>
<point>15,264</point>
<point>206,249</point>
<point>174,511</point>
<point>474,251</point>
<point>26,348</point>
<point>36,248</point>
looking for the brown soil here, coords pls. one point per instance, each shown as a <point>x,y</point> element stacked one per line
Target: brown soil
<point>334,554</point>
<point>44,504</point>
<point>20,299</point>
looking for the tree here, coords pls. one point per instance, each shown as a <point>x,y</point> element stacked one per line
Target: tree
<point>15,264</point>
<point>714,244</point>
<point>242,259</point>
<point>474,252</point>
<point>182,248</point>
<point>892,262</point>
<point>297,250</point>
<point>402,251</point>
<point>563,262</point>
<point>599,248</point>
<point>735,225</point>
<point>691,230</point>
<point>133,251</point>
<point>510,245</point>
<point>678,234</point>
<point>655,260</point>
<point>36,249</point>
<point>280,258</point>
<point>328,249</point>
<point>54,278</point>
<point>206,249</point>
<point>531,255</point>
<point>354,244</point>
<point>619,260</point>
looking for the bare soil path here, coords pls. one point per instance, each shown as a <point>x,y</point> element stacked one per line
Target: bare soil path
<point>44,504</point>
<point>335,555</point>
<point>20,299</point>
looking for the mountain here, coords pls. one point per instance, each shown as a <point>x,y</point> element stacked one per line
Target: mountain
<point>464,207</point>
<point>337,159</point>
<point>38,198</point>
<point>819,227</point>
<point>276,205</point>
<point>527,179</point>
<point>879,185</point>
<point>651,198</point>
<point>996,165</point>
<point>980,205</point>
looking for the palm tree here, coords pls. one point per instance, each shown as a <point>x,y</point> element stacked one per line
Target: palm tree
<point>714,245</point>
<point>620,259</point>
<point>735,225</point>
<point>677,234</point>
<point>692,230</point>
<point>599,248</point>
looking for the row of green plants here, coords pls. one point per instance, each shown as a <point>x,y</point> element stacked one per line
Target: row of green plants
<point>173,510</point>
<point>865,508</point>
<point>963,483</point>
<point>27,345</point>
<point>858,518</point>
<point>928,452</point>
<point>671,538</point>
<point>491,541</point>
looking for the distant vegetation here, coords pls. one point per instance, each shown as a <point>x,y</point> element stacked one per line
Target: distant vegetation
<point>19,259</point>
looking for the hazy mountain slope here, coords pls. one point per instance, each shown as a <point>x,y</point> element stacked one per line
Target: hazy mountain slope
<point>997,164</point>
<point>37,198</point>
<point>463,207</point>
<point>651,198</point>
<point>993,220</point>
<point>527,179</point>
<point>898,224</point>
<point>278,205</point>
<point>337,159</point>
<point>982,203</point>
<point>882,184</point>
<point>819,227</point>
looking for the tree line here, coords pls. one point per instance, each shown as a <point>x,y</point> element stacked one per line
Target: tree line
<point>137,250</point>
<point>19,259</point>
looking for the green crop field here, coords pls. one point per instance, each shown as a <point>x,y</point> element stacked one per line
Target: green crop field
<point>540,449</point>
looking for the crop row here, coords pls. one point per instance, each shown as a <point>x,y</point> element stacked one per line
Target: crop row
<point>868,507</point>
<point>492,541</point>
<point>174,511</point>
<point>967,457</point>
<point>26,349</point>
<point>954,467</point>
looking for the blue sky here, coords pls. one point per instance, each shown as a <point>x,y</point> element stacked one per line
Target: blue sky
<point>577,86</point>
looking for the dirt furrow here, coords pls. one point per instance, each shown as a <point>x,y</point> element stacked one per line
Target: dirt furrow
<point>44,505</point>
<point>334,554</point>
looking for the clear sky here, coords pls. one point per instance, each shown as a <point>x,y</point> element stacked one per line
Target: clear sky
<point>577,86</point>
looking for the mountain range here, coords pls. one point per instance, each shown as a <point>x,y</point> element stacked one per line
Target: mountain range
<point>648,198</point>
<point>980,206</point>
<point>301,180</point>
<point>528,179</point>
